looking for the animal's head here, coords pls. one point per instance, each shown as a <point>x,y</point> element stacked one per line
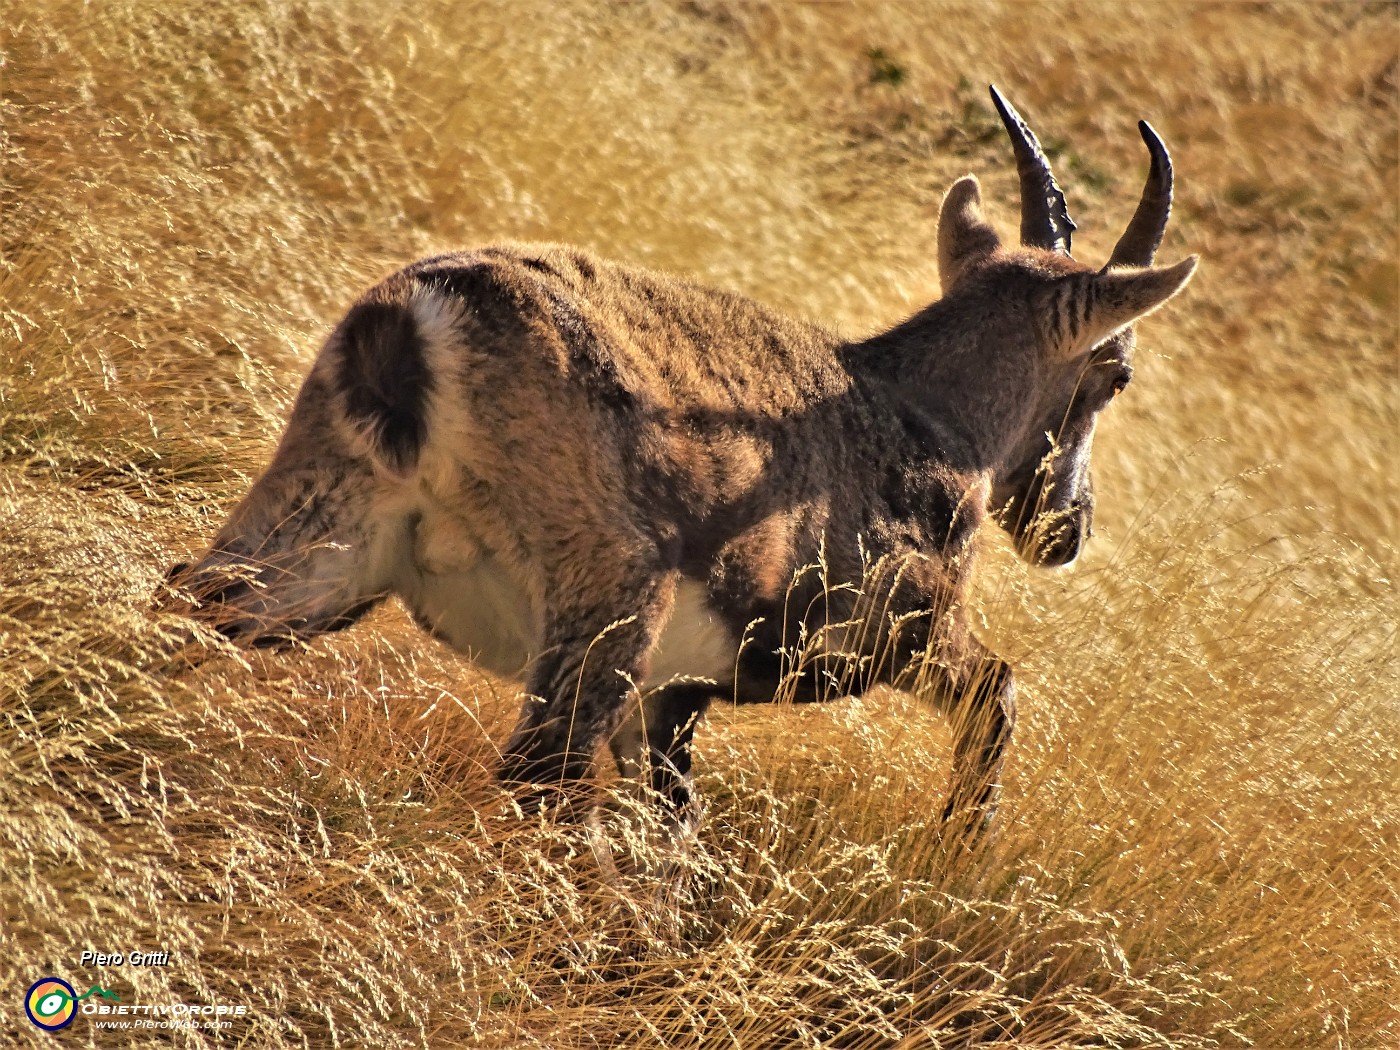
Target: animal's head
<point>1055,336</point>
<point>312,546</point>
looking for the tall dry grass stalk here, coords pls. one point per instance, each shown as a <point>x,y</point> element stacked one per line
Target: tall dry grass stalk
<point>1198,842</point>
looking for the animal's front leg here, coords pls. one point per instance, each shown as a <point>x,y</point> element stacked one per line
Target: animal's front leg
<point>981,704</point>
<point>939,660</point>
<point>580,686</point>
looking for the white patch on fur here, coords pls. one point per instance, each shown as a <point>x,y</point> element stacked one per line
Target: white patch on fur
<point>465,594</point>
<point>438,317</point>
<point>696,642</point>
<point>478,610</point>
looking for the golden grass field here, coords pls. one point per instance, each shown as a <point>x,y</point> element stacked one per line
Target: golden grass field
<point>1200,843</point>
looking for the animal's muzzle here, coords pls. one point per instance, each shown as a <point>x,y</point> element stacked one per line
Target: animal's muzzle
<point>1057,538</point>
<point>238,602</point>
<point>213,595</point>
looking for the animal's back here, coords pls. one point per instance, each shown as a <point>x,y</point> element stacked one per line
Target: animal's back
<point>670,395</point>
<point>667,343</point>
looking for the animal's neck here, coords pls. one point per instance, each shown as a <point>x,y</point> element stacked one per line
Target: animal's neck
<point>937,364</point>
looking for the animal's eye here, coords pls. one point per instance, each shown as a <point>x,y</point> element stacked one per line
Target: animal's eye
<point>1121,381</point>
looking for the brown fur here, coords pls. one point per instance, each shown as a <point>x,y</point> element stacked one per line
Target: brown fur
<point>606,477</point>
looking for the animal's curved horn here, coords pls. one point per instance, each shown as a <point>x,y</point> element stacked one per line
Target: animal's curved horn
<point>1045,221</point>
<point>1140,240</point>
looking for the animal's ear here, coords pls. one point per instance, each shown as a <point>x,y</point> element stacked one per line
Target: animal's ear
<point>1118,297</point>
<point>964,236</point>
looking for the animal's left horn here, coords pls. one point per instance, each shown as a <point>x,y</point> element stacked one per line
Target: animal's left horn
<point>1045,221</point>
<point>1139,243</point>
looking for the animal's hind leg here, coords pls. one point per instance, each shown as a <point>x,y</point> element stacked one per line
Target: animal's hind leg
<point>595,648</point>
<point>655,742</point>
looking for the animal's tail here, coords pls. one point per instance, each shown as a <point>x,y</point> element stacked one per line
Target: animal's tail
<point>381,370</point>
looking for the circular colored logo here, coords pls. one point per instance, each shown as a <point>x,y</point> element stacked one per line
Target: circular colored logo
<point>50,1003</point>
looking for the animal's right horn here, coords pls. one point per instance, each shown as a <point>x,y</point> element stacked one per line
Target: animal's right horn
<point>1045,221</point>
<point>1139,243</point>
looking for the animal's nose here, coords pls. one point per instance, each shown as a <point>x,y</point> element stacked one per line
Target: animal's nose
<point>205,587</point>
<point>165,596</point>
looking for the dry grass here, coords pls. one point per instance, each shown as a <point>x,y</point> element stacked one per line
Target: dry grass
<point>1202,822</point>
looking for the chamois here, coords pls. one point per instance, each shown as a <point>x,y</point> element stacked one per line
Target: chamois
<point>614,483</point>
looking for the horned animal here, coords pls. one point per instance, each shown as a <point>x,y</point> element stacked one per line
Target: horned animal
<point>616,484</point>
